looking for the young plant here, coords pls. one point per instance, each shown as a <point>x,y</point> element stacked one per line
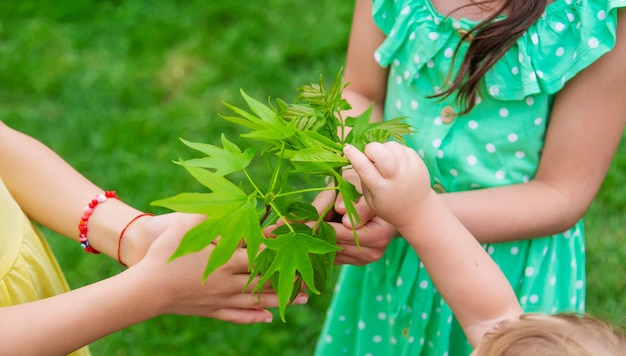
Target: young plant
<point>300,141</point>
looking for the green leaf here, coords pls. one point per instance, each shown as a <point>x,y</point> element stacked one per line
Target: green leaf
<point>313,139</point>
<point>292,255</point>
<point>350,196</point>
<point>324,263</point>
<point>275,132</point>
<point>300,141</point>
<point>230,213</point>
<point>396,127</point>
<point>317,168</point>
<point>246,120</point>
<point>261,110</point>
<point>298,211</point>
<point>224,160</point>
<point>364,132</point>
<point>318,155</point>
<point>266,125</point>
<point>214,204</point>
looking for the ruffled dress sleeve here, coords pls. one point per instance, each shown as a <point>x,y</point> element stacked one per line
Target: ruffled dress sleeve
<point>569,36</point>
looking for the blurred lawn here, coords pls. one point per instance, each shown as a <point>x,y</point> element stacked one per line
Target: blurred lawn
<point>112,85</point>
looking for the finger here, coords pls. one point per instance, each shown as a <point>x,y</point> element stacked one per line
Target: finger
<point>344,234</point>
<point>238,263</point>
<point>363,211</point>
<point>340,206</point>
<point>351,259</point>
<point>384,157</point>
<point>351,176</point>
<point>373,239</point>
<point>361,164</point>
<point>254,282</point>
<point>243,316</point>
<point>268,231</point>
<point>323,200</point>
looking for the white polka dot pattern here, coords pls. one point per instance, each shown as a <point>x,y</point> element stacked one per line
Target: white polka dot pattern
<point>390,307</point>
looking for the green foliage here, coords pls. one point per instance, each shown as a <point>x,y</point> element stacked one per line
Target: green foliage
<point>306,137</point>
<point>110,85</point>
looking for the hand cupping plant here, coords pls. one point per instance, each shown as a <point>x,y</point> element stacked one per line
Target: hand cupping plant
<point>298,140</point>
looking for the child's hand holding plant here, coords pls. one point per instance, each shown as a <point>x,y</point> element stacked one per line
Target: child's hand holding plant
<point>298,142</point>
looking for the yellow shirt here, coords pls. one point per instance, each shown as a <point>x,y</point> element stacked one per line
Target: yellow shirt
<point>28,269</point>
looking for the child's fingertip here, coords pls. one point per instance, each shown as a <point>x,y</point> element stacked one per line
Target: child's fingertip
<point>301,299</point>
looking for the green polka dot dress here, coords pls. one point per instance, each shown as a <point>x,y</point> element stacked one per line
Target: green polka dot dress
<point>390,307</point>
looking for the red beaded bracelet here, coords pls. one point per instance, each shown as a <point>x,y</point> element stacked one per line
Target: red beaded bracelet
<point>82,225</point>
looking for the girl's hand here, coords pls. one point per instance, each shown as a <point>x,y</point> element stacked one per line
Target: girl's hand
<point>395,180</point>
<point>374,236</point>
<point>374,233</point>
<point>177,285</point>
<point>364,212</point>
<point>144,231</point>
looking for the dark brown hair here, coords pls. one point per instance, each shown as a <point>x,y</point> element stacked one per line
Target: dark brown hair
<point>490,39</point>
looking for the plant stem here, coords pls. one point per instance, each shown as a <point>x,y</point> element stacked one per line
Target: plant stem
<point>281,216</point>
<point>268,211</point>
<point>252,182</point>
<point>309,190</point>
<point>277,169</point>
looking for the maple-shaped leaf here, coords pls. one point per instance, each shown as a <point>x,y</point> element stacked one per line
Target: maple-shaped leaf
<point>231,215</point>
<point>292,251</point>
<point>323,264</point>
<point>299,211</point>
<point>224,160</point>
<point>300,140</point>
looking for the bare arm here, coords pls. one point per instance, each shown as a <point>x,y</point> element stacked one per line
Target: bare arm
<point>367,79</point>
<point>586,125</point>
<point>54,194</point>
<point>61,324</point>
<point>397,187</point>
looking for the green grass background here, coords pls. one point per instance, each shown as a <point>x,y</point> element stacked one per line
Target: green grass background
<point>112,85</point>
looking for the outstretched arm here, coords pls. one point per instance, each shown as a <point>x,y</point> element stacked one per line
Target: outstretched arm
<point>61,324</point>
<point>586,124</point>
<point>396,186</point>
<point>54,194</point>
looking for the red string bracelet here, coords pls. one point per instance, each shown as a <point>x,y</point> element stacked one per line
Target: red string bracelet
<point>119,241</point>
<point>82,225</point>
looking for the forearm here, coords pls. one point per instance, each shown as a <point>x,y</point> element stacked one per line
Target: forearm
<point>61,324</point>
<point>516,212</point>
<point>366,79</point>
<point>54,194</point>
<point>360,102</point>
<point>464,274</point>
<point>586,124</point>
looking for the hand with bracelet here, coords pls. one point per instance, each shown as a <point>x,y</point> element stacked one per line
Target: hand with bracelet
<point>38,313</point>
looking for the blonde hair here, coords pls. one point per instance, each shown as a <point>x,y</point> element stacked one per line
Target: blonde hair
<point>552,335</point>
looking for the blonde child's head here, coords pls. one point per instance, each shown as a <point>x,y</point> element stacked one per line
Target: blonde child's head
<point>561,334</point>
